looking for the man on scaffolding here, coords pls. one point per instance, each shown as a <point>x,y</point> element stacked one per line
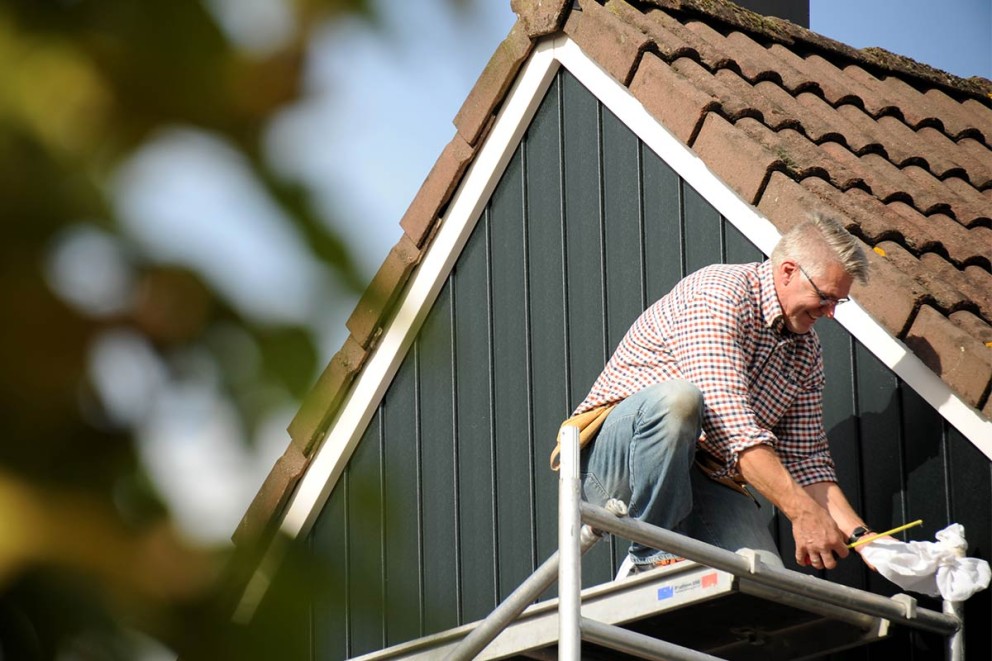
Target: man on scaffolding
<point>719,384</point>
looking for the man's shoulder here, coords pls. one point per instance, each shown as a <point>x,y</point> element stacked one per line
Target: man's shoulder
<point>725,279</point>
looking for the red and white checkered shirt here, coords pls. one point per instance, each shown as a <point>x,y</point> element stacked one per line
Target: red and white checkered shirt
<point>722,328</point>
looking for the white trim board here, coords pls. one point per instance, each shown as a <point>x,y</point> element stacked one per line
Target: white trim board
<point>470,199</point>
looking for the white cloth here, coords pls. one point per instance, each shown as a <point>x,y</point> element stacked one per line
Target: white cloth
<point>932,568</point>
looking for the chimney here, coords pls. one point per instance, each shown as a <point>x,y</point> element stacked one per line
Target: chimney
<point>796,11</point>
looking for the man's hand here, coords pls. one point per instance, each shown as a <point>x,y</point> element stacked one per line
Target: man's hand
<point>818,538</point>
<point>816,511</point>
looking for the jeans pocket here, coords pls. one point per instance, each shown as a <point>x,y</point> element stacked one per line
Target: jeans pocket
<point>592,490</point>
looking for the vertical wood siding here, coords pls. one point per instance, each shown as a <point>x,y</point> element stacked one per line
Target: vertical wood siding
<point>448,503</point>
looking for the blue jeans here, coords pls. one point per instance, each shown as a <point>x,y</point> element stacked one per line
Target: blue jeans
<point>644,456</point>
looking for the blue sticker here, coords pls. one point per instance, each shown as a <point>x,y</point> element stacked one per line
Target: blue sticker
<point>666,592</point>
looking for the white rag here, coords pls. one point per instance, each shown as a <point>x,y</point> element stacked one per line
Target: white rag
<point>932,568</point>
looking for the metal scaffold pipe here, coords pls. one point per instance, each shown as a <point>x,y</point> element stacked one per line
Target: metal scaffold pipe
<point>570,569</point>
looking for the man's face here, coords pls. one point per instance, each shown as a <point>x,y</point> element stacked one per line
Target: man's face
<point>805,299</point>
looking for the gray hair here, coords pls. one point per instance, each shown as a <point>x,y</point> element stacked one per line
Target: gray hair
<point>819,240</point>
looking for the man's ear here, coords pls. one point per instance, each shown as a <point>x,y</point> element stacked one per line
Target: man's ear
<point>788,269</point>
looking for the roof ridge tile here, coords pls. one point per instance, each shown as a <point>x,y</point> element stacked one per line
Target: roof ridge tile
<point>784,32</point>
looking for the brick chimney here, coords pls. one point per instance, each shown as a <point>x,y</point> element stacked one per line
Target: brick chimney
<point>796,11</point>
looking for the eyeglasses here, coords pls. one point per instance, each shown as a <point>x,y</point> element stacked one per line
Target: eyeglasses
<point>825,301</point>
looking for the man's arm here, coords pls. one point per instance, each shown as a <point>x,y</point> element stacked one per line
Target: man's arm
<point>821,517</point>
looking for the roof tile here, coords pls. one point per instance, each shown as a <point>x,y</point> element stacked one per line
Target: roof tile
<point>927,110</point>
<point>960,360</point>
<point>980,287</point>
<point>477,111</point>
<point>935,233</point>
<point>954,195</point>
<point>747,56</point>
<point>982,237</point>
<point>958,121</point>
<point>712,57</point>
<point>720,88</point>
<point>742,162</point>
<point>883,179</point>
<point>942,285</point>
<point>836,89</point>
<point>671,98</point>
<point>668,44</point>
<point>896,151</point>
<point>896,221</point>
<point>795,114</point>
<point>423,213</point>
<point>981,115</point>
<point>540,17</point>
<point>309,423</point>
<point>756,99</point>
<point>979,158</point>
<point>941,153</point>
<point>971,292</point>
<point>877,99</point>
<point>969,204</point>
<point>802,158</point>
<point>373,307</point>
<point>785,202</point>
<point>614,44</point>
<point>764,65</point>
<point>892,295</point>
<point>271,498</point>
<point>865,215</point>
<point>823,124</point>
<point>973,326</point>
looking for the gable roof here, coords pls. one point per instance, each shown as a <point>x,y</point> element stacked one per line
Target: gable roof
<point>790,121</point>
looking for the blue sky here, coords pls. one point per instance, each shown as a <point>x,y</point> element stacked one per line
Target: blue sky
<point>377,114</point>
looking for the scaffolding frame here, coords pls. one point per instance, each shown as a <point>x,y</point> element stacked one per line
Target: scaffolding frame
<point>581,525</point>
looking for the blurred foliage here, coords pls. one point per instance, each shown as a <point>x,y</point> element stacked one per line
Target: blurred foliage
<point>87,548</point>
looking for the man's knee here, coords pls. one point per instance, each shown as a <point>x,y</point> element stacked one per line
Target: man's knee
<point>677,399</point>
<point>685,400</point>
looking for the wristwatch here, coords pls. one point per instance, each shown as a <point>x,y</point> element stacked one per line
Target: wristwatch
<point>858,533</point>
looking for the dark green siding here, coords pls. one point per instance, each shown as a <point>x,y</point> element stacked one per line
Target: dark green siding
<point>448,502</point>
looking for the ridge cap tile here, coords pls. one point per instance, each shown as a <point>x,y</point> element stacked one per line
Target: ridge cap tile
<point>541,17</point>
<point>789,34</point>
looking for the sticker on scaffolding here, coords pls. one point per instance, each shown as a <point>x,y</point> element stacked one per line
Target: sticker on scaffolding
<point>700,583</point>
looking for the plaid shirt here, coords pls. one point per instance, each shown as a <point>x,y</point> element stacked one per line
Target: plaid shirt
<point>722,328</point>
